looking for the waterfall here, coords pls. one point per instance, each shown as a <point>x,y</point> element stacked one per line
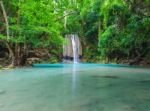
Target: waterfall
<point>72,50</point>
<point>75,47</point>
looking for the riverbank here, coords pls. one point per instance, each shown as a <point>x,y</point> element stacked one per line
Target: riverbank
<point>4,65</point>
<point>8,67</point>
<point>80,64</point>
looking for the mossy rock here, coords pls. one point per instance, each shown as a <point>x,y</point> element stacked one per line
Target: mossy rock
<point>10,67</point>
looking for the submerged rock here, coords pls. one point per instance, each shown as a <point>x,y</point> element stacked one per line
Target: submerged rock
<point>2,92</point>
<point>107,76</point>
<point>145,81</point>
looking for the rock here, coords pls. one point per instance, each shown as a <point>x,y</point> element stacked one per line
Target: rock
<point>1,59</point>
<point>10,66</point>
<point>32,60</point>
<point>68,53</point>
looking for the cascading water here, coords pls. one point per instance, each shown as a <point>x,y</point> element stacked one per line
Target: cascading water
<point>75,47</point>
<point>72,50</point>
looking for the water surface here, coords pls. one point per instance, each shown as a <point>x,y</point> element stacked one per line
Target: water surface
<point>75,88</point>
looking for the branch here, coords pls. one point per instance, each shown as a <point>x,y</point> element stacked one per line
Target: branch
<point>71,13</point>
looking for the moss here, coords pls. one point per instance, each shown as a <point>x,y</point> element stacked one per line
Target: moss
<point>1,67</point>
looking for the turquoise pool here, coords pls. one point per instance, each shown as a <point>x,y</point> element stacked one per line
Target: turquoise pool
<point>80,87</point>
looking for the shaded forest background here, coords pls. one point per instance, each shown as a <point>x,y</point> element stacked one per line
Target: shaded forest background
<point>111,31</point>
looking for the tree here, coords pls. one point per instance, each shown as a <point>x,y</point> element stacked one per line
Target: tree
<point>7,32</point>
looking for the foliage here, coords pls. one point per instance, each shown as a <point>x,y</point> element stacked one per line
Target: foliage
<point>33,24</point>
<point>108,29</point>
<point>125,33</point>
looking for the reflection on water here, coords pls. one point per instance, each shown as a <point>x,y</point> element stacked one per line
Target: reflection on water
<point>74,74</point>
<point>75,88</point>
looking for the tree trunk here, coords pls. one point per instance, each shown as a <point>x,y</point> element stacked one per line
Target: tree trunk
<point>7,33</point>
<point>5,18</point>
<point>11,54</point>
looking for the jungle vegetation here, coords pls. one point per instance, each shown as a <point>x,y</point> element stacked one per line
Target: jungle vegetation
<point>110,30</point>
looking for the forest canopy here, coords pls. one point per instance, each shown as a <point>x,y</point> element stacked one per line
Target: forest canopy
<point>109,30</point>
